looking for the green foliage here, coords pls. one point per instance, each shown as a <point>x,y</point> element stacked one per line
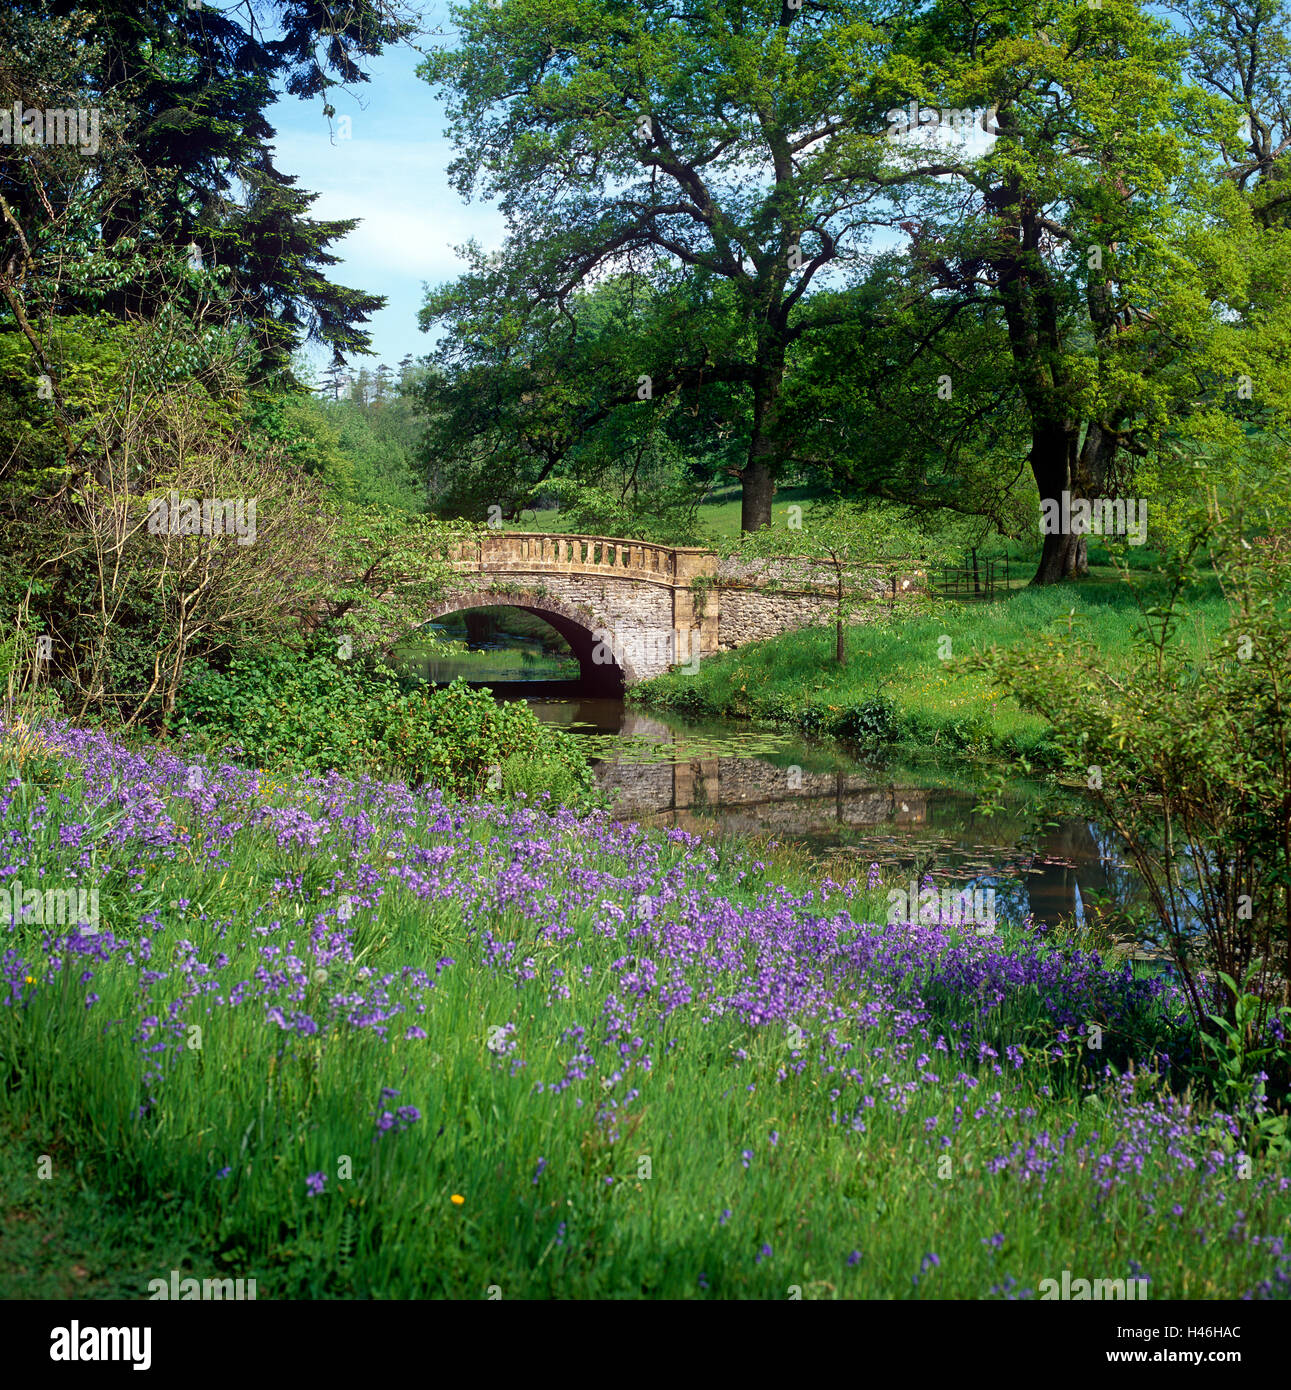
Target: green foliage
<point>667,513</point>
<point>851,552</point>
<point>185,158</point>
<point>873,721</point>
<point>904,660</point>
<point>311,711</point>
<point>530,405</point>
<point>78,1239</point>
<point>129,414</point>
<point>1181,746</point>
<point>1087,300</point>
<point>722,262</point>
<point>1245,1054</point>
<point>544,780</point>
<point>356,455</point>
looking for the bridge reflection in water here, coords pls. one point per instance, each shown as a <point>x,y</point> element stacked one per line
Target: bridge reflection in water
<point>850,809</point>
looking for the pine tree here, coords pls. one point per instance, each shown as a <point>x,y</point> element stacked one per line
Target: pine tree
<point>335,379</point>
<point>363,388</point>
<point>197,83</point>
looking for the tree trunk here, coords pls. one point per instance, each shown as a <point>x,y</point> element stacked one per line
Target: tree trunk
<point>759,474</point>
<point>1080,561</point>
<point>758,479</point>
<point>1052,455</point>
<point>1036,339</point>
<point>1093,466</point>
<point>840,637</point>
<point>1058,559</point>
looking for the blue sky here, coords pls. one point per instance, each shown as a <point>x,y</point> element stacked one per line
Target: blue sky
<point>392,173</point>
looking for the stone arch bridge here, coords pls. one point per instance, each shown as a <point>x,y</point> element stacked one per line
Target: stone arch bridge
<point>631,609</point>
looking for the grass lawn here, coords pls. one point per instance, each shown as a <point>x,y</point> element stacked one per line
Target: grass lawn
<point>368,1043</point>
<point>719,517</point>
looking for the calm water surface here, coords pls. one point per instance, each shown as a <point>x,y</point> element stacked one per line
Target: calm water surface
<point>725,777</point>
<point>918,817</point>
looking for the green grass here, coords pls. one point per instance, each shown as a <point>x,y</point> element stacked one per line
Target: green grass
<point>483,666</point>
<point>65,1234</point>
<point>911,664</point>
<point>719,517</point>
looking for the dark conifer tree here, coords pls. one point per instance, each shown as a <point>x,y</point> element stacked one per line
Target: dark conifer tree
<point>195,85</point>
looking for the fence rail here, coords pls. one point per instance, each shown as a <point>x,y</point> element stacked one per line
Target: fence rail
<point>975,579</point>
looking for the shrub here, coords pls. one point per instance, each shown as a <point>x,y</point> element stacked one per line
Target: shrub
<point>1185,754</point>
<point>872,721</point>
<point>545,780</point>
<point>311,711</point>
<point>816,719</point>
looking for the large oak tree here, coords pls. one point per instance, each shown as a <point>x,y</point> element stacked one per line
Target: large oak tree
<point>720,147</point>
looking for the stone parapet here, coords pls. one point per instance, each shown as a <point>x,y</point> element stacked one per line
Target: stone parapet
<point>640,607</point>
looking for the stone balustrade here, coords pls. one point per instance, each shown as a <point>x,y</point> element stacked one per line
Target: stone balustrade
<point>631,608</point>
<point>526,551</point>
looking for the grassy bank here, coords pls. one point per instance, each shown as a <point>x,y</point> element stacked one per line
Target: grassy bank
<point>904,679</point>
<point>370,1043</point>
<point>66,1233</point>
<point>718,518</point>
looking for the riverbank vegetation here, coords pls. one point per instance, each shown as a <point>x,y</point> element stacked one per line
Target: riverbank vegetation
<point>905,679</point>
<point>289,711</point>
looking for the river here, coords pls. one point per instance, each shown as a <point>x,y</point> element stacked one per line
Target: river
<point>913,814</point>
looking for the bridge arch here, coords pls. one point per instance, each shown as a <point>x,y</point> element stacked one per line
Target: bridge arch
<point>577,624</point>
<point>660,606</point>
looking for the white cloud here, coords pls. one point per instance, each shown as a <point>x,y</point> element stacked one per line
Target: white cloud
<point>411,216</point>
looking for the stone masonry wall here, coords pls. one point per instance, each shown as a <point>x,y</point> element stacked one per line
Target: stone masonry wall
<point>621,602</point>
<point>637,615</point>
<point>753,608</point>
<point>749,615</point>
<point>660,606</point>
